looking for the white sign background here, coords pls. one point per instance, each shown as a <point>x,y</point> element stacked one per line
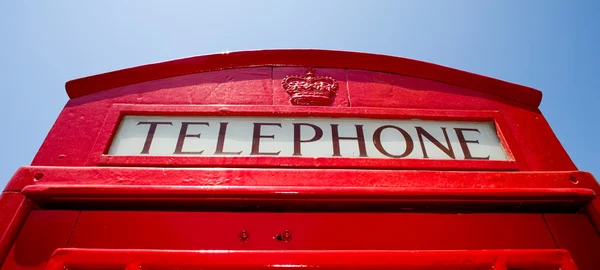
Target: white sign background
<point>130,137</point>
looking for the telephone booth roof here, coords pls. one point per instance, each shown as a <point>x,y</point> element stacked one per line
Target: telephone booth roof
<point>303,57</point>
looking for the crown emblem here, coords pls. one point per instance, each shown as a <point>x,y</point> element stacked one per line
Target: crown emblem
<point>310,89</point>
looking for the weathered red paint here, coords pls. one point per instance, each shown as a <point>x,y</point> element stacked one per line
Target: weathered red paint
<point>309,58</point>
<point>92,210</point>
<point>170,176</point>
<point>540,149</point>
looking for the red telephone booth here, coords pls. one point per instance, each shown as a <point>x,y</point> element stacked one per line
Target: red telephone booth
<point>299,158</point>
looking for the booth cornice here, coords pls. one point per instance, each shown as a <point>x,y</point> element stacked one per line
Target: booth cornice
<point>303,57</point>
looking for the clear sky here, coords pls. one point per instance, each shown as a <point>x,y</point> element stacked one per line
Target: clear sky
<point>548,45</point>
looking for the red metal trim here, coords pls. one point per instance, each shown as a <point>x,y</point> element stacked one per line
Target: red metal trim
<point>118,111</point>
<point>309,177</point>
<point>305,111</point>
<point>21,178</point>
<point>326,193</point>
<point>15,209</point>
<point>575,233</point>
<point>313,58</point>
<point>592,210</point>
<point>509,142</point>
<point>352,259</point>
<point>301,195</point>
<point>296,162</point>
<point>593,214</point>
<point>314,186</point>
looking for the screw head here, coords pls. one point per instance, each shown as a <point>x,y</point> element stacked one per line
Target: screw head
<point>244,236</point>
<point>285,236</point>
<point>573,179</point>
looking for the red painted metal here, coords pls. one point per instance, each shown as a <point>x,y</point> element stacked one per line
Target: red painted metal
<point>591,210</point>
<point>310,58</point>
<point>245,177</point>
<point>308,193</point>
<point>15,209</point>
<point>309,230</point>
<point>282,196</point>
<point>575,233</point>
<point>382,213</point>
<point>523,128</point>
<point>170,259</point>
<point>42,233</point>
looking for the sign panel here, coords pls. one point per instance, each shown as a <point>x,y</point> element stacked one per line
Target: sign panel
<point>306,137</point>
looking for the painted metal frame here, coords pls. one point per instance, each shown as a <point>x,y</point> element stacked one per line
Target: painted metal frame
<point>118,111</point>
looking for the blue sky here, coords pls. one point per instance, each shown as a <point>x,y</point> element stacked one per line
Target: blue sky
<point>549,45</point>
